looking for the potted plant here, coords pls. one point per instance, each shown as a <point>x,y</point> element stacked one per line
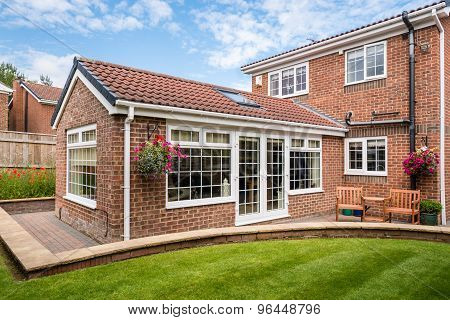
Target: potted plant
<point>429,212</point>
<point>423,161</point>
<point>156,157</point>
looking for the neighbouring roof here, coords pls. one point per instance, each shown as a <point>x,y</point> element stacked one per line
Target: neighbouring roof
<point>116,82</point>
<point>4,88</point>
<point>43,92</point>
<point>343,33</point>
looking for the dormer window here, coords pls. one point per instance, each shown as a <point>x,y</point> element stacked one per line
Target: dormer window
<point>365,63</point>
<point>293,81</point>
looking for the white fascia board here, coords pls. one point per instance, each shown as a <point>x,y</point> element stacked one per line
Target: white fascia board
<point>78,75</point>
<point>214,118</point>
<point>420,19</point>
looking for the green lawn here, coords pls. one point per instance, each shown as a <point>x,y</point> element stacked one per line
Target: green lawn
<point>296,269</point>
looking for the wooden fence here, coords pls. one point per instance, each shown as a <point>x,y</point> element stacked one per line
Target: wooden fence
<point>21,150</point>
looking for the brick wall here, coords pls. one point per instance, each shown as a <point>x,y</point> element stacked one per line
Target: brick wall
<point>39,115</point>
<point>328,94</point>
<point>3,111</point>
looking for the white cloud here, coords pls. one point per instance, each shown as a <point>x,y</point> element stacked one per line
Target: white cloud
<point>33,63</point>
<point>88,16</point>
<point>244,31</point>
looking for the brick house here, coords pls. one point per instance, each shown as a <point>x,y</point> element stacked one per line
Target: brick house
<point>32,106</point>
<point>5,97</point>
<point>276,153</point>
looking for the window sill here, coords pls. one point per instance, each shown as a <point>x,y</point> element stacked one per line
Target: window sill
<point>364,81</point>
<point>368,174</point>
<point>198,203</point>
<point>305,191</point>
<point>256,218</point>
<point>296,94</point>
<point>82,201</point>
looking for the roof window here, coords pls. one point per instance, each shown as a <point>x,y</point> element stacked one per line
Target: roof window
<point>238,98</point>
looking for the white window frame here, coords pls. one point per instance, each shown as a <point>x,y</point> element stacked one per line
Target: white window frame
<point>280,72</point>
<point>78,145</point>
<point>202,144</point>
<point>184,143</point>
<point>367,78</point>
<point>364,171</point>
<point>212,144</point>
<point>305,148</point>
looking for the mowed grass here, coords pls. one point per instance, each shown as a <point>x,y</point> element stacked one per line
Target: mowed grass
<point>295,269</point>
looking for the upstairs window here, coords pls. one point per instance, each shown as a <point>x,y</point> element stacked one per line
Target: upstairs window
<point>365,63</point>
<point>289,82</point>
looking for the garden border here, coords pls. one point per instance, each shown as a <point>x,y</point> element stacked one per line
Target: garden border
<point>28,205</point>
<point>35,260</point>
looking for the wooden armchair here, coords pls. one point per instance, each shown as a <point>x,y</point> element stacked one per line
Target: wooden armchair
<point>405,202</point>
<point>350,198</point>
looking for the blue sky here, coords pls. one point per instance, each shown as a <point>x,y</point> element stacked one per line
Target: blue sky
<point>202,40</point>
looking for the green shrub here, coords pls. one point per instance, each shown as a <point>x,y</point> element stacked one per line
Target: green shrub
<point>26,183</point>
<point>430,207</point>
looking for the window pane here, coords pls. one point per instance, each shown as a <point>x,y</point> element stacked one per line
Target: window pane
<point>72,138</point>
<point>82,172</point>
<point>376,155</point>
<point>300,82</point>
<point>287,82</point>
<point>297,143</point>
<point>184,136</point>
<point>205,173</point>
<point>355,65</point>
<point>314,144</point>
<point>304,170</point>
<point>274,84</point>
<point>87,136</point>
<point>214,137</point>
<point>375,60</point>
<point>355,155</point>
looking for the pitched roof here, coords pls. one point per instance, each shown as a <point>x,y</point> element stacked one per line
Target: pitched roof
<point>5,88</point>
<point>125,83</point>
<point>341,34</point>
<point>43,92</point>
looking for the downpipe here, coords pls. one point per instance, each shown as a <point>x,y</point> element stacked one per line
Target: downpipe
<point>126,174</point>
<point>412,102</point>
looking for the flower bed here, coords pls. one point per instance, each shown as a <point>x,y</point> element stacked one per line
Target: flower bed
<point>27,183</point>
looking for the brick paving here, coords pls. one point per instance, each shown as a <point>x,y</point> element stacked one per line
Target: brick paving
<point>54,234</point>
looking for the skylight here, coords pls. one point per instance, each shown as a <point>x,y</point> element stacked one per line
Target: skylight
<point>238,98</point>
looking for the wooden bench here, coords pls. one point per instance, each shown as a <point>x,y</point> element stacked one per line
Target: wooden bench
<point>349,198</point>
<point>404,202</point>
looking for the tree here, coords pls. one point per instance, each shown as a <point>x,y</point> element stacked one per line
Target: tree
<point>45,79</point>
<point>9,73</point>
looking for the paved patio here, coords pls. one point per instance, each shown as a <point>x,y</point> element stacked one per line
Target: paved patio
<point>52,233</point>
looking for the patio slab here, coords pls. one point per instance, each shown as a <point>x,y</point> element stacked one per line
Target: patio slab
<point>52,233</point>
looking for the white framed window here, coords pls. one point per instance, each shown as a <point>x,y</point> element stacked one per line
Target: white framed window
<point>366,63</point>
<point>205,175</point>
<point>305,165</point>
<point>366,156</point>
<point>82,165</point>
<point>289,81</point>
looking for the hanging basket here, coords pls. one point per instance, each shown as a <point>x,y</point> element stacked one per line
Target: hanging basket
<point>155,158</point>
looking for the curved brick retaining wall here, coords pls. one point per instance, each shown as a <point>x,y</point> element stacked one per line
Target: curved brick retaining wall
<point>35,260</point>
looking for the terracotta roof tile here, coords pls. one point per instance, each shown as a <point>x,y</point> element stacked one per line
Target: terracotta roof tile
<point>44,92</point>
<point>153,88</point>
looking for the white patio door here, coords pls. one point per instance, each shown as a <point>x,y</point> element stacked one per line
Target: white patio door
<point>261,167</point>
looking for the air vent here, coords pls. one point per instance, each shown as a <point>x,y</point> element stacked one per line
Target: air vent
<point>238,98</point>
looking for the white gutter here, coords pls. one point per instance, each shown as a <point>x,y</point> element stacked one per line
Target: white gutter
<point>338,41</point>
<point>126,174</point>
<point>169,109</point>
<point>442,112</point>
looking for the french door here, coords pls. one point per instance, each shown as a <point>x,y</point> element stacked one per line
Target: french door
<point>261,168</point>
